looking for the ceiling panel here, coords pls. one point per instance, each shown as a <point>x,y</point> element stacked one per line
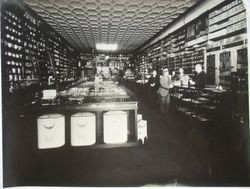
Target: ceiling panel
<point>129,23</point>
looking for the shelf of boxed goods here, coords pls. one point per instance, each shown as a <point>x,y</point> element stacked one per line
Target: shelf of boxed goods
<point>137,61</point>
<point>41,55</point>
<point>178,57</point>
<point>226,12</point>
<point>200,40</point>
<point>187,64</point>
<point>64,62</point>
<point>55,55</point>
<point>228,23</point>
<point>171,65</point>
<point>143,66</point>
<point>177,48</point>
<point>153,63</point>
<point>179,35</point>
<point>178,61</point>
<point>194,53</point>
<point>198,57</point>
<point>163,63</point>
<point>46,68</point>
<point>167,49</point>
<point>178,40</point>
<point>167,43</point>
<point>156,50</point>
<point>150,52</point>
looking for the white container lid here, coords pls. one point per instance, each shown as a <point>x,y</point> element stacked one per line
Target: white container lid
<point>139,116</point>
<point>49,93</point>
<point>83,114</point>
<point>46,116</point>
<point>111,113</point>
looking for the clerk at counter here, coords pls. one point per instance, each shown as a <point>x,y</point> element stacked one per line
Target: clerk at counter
<point>199,80</point>
<point>183,78</point>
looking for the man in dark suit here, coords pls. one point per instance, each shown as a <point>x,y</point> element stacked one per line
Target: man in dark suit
<point>200,78</point>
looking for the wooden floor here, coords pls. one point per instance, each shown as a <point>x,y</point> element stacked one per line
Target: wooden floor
<point>177,152</point>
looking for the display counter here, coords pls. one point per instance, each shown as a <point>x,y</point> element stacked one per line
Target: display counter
<point>137,86</point>
<point>103,99</point>
<point>204,105</point>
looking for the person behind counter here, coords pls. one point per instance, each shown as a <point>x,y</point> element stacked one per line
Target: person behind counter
<point>153,86</point>
<point>174,77</point>
<point>165,85</point>
<point>183,78</point>
<point>120,75</point>
<point>200,77</point>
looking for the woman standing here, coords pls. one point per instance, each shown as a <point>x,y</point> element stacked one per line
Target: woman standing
<point>183,78</point>
<point>152,89</point>
<point>165,85</point>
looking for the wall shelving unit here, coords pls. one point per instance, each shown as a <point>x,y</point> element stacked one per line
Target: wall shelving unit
<point>217,32</point>
<point>31,54</point>
<point>227,35</point>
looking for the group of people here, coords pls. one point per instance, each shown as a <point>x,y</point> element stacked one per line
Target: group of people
<point>116,75</point>
<point>159,86</point>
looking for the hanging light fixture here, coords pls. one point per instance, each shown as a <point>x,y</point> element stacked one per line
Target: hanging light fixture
<point>106,47</point>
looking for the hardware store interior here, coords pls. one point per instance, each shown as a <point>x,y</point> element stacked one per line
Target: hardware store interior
<point>125,93</point>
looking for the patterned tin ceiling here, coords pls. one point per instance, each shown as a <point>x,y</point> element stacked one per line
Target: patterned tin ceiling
<point>129,23</point>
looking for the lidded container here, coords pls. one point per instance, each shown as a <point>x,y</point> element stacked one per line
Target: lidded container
<point>49,94</point>
<point>115,127</point>
<point>83,129</point>
<point>139,117</point>
<point>142,133</point>
<point>51,131</point>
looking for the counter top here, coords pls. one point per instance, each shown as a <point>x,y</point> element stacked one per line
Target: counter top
<point>90,93</point>
<point>210,89</point>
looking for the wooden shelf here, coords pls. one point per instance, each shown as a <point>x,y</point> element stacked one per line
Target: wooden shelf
<point>227,14</point>
<point>25,52</point>
<point>228,24</point>
<point>224,8</point>
<point>222,34</point>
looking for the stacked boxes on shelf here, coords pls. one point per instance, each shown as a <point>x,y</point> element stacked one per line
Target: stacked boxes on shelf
<point>227,20</point>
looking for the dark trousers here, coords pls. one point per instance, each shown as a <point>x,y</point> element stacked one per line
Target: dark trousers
<point>152,97</point>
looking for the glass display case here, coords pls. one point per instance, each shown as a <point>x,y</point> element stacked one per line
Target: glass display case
<point>204,105</point>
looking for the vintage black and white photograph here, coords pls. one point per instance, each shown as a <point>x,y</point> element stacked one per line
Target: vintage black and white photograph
<point>125,93</point>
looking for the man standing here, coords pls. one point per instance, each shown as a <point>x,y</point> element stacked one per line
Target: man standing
<point>165,85</point>
<point>200,78</point>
